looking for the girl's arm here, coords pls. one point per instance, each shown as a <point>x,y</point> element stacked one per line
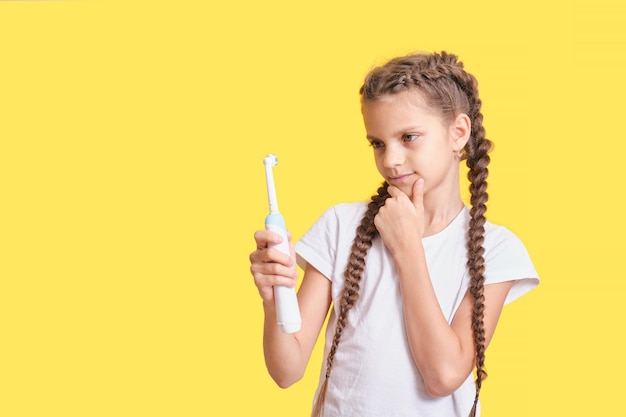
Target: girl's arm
<point>444,353</point>
<point>286,355</point>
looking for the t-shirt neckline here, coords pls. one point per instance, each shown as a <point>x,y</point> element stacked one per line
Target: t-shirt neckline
<point>450,228</point>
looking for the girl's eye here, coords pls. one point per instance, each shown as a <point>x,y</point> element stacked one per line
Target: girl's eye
<point>376,144</point>
<point>410,137</point>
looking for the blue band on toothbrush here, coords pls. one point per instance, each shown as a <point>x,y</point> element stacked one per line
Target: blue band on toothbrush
<point>276,219</point>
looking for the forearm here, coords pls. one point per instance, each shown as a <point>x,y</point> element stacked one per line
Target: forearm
<point>284,358</point>
<point>435,346</point>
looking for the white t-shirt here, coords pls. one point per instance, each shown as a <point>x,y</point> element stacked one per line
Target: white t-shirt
<point>374,373</point>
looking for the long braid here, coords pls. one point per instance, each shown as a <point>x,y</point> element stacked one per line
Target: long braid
<point>476,151</point>
<point>365,234</point>
<point>476,263</point>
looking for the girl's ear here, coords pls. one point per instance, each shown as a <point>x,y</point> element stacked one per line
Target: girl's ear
<point>460,130</point>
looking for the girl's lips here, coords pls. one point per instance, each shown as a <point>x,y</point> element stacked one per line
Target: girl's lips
<point>400,178</point>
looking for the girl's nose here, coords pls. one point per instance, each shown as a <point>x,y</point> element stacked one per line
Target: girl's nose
<point>393,157</point>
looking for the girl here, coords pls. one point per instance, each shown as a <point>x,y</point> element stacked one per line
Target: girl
<point>416,279</point>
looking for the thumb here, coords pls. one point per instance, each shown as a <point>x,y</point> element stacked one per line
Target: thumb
<point>418,193</point>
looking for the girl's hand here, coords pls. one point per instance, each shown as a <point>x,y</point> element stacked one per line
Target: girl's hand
<point>401,218</point>
<point>270,267</point>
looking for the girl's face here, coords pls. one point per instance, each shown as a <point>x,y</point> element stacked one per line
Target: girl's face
<point>410,141</point>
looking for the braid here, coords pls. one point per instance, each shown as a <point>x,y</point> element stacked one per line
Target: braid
<point>478,159</point>
<point>365,234</point>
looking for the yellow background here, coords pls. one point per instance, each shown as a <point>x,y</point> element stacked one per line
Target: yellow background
<point>131,182</point>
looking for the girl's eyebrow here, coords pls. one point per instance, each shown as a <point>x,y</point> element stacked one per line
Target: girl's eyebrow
<point>398,132</point>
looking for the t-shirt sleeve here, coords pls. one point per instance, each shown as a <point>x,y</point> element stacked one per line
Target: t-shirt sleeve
<point>318,245</point>
<point>508,260</point>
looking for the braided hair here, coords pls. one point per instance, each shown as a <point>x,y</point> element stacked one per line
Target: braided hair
<point>450,90</point>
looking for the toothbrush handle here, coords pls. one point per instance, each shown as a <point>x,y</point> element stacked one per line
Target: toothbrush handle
<point>287,310</point>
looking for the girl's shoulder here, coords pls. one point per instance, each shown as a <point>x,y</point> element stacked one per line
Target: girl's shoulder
<point>499,240</point>
<point>340,218</point>
<point>349,210</point>
<point>507,259</point>
<point>505,248</point>
<point>497,234</point>
<point>343,217</point>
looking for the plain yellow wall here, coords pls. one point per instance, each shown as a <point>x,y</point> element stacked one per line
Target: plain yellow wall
<point>131,182</point>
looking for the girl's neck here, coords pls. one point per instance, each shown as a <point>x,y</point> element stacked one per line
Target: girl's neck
<point>439,213</point>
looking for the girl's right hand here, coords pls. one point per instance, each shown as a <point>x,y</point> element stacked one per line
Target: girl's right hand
<point>270,267</point>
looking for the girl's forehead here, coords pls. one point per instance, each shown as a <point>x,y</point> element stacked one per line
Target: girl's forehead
<point>408,99</point>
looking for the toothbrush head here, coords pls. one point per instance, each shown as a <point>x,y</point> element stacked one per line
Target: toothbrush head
<point>270,160</point>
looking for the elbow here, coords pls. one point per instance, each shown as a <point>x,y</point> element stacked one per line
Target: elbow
<point>444,385</point>
<point>285,381</point>
<point>285,373</point>
<point>440,390</point>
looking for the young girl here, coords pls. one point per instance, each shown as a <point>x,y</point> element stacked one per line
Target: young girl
<point>416,279</point>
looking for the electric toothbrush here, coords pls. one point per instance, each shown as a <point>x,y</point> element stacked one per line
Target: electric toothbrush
<point>287,310</point>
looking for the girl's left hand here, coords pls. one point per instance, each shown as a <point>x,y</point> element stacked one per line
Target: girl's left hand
<point>401,218</point>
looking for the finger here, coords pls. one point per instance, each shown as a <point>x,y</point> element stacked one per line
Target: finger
<point>418,193</point>
<point>393,191</point>
<point>268,275</point>
<point>271,255</point>
<point>263,278</point>
<point>264,237</point>
<point>265,285</point>
<point>273,262</point>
